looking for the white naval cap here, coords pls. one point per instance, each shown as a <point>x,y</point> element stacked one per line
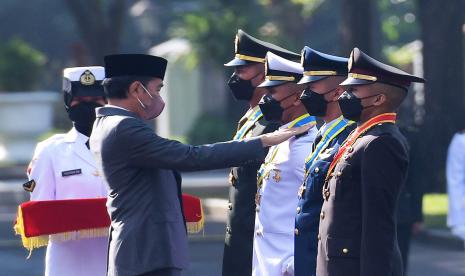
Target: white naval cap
<point>279,70</point>
<point>83,81</point>
<point>85,75</point>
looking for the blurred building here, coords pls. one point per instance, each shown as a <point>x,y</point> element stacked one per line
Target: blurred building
<point>188,92</point>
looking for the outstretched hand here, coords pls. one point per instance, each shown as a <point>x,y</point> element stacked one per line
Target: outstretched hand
<point>281,135</point>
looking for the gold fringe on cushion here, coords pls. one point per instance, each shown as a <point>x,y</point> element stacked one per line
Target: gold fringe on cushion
<point>28,243</point>
<point>196,227</point>
<point>31,243</point>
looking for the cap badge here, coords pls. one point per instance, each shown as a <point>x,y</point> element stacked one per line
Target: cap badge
<point>349,65</point>
<point>87,78</point>
<point>302,58</point>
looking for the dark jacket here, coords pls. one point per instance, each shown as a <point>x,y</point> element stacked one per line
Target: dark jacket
<point>357,234</point>
<point>147,226</point>
<point>308,209</point>
<point>238,248</point>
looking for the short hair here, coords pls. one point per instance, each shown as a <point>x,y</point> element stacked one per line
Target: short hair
<point>117,87</point>
<point>395,95</point>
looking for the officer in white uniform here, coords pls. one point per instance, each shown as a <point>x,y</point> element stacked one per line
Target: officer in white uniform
<point>282,172</point>
<point>63,168</point>
<point>455,172</point>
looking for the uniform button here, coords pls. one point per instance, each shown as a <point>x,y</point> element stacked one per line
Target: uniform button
<point>257,209</point>
<point>296,232</point>
<point>228,230</point>
<point>338,173</point>
<point>350,149</point>
<point>298,210</point>
<point>230,206</point>
<point>319,237</point>
<point>317,169</point>
<point>327,194</point>
<point>259,233</point>
<point>322,215</point>
<point>345,250</point>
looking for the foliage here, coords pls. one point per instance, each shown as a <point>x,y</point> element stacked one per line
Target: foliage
<point>20,66</point>
<point>100,25</point>
<point>209,129</point>
<point>435,210</point>
<point>399,22</point>
<point>211,27</point>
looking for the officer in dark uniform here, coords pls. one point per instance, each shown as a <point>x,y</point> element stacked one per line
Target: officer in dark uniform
<point>357,232</point>
<point>322,75</point>
<point>249,72</point>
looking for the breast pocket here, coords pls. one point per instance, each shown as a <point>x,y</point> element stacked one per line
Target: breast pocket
<point>77,180</point>
<point>342,248</point>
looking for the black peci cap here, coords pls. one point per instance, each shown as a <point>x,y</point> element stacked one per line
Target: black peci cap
<point>318,65</point>
<point>135,65</point>
<point>249,49</point>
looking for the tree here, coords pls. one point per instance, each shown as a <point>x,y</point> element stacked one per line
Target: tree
<point>443,59</point>
<point>357,21</point>
<point>289,21</point>
<point>100,23</point>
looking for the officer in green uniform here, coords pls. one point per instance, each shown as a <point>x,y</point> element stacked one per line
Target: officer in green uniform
<point>249,72</point>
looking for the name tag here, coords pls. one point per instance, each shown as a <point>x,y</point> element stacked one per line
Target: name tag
<point>71,172</point>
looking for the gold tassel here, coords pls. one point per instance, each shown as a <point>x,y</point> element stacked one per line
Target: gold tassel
<point>40,241</point>
<point>28,243</point>
<point>196,227</point>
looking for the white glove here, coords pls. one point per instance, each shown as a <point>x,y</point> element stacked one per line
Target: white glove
<point>287,267</point>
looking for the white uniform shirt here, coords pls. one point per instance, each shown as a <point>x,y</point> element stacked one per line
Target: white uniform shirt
<point>455,172</point>
<point>274,220</point>
<point>64,153</point>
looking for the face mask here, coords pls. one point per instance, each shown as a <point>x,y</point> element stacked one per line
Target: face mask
<point>271,108</point>
<point>156,105</point>
<point>351,106</point>
<point>241,89</point>
<point>315,103</point>
<point>83,116</point>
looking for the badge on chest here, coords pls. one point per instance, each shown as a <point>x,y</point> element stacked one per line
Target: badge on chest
<point>71,172</point>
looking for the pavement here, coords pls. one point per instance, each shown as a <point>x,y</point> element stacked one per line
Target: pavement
<point>433,252</point>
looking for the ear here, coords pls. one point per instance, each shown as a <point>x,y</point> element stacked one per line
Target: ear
<point>133,88</point>
<point>297,94</point>
<point>380,99</point>
<point>261,76</point>
<point>258,79</point>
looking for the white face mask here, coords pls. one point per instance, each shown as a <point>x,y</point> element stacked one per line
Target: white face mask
<point>156,105</point>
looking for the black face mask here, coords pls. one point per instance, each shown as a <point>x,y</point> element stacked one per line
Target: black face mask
<point>241,89</point>
<point>83,116</point>
<point>351,106</point>
<point>315,103</point>
<point>271,108</point>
